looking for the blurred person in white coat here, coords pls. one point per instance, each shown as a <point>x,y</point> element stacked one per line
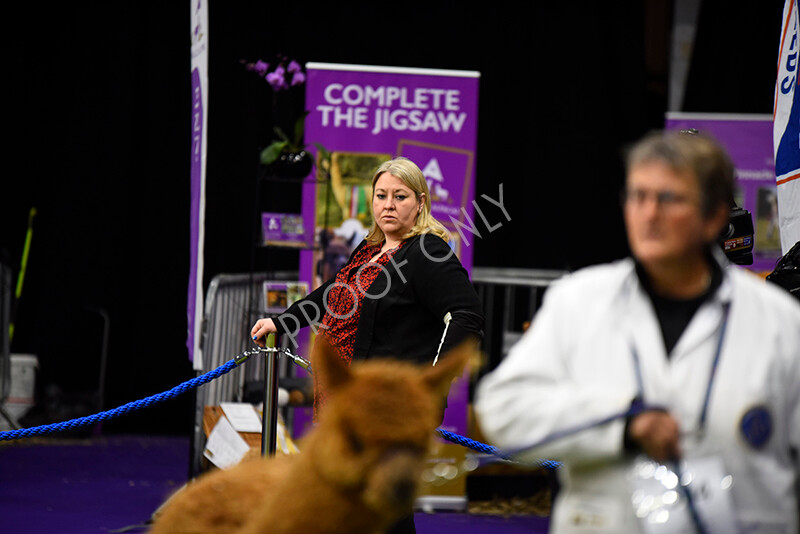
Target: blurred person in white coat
<point>669,359</point>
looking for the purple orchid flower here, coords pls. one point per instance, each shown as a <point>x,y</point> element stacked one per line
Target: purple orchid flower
<point>298,78</point>
<point>276,78</point>
<point>261,68</point>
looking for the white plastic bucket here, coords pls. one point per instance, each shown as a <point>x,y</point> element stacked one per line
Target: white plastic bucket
<point>23,382</point>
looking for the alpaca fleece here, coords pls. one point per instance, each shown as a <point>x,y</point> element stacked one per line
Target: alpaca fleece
<point>358,470</point>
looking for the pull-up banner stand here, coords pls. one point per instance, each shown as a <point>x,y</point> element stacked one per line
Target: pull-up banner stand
<point>199,65</point>
<point>363,116</point>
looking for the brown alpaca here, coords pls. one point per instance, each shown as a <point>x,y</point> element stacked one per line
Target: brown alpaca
<point>357,471</point>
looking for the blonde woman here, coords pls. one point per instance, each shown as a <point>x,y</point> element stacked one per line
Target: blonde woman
<point>403,293</point>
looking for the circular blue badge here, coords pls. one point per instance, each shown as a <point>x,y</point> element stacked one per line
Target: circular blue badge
<point>756,426</point>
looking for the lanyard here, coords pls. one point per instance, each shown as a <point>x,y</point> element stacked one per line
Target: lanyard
<point>714,364</point>
<point>699,526</point>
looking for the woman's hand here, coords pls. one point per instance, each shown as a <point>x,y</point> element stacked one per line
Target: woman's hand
<point>261,330</point>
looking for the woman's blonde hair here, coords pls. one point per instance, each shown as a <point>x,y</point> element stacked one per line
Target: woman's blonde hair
<point>425,223</point>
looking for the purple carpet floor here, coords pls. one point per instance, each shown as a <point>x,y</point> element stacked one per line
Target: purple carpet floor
<point>114,484</point>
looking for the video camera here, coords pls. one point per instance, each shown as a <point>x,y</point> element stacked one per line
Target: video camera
<point>737,239</point>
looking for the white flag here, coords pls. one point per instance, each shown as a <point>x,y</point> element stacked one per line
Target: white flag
<point>786,129</point>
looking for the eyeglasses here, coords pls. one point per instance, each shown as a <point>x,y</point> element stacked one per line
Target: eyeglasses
<point>663,199</point>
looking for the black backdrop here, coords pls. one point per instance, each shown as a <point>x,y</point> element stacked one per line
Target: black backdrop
<point>97,119</point>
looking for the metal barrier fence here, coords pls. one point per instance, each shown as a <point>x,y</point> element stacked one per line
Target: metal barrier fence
<point>510,299</point>
<point>235,301</point>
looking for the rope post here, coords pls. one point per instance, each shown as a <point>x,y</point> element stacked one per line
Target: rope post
<point>269,417</point>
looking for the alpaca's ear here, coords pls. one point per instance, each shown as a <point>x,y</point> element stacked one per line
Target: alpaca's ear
<point>328,367</point>
<point>451,365</point>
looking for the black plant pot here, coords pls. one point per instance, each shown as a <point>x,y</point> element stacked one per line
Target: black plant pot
<point>292,165</point>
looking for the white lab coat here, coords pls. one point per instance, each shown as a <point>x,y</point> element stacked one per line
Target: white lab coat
<point>575,366</point>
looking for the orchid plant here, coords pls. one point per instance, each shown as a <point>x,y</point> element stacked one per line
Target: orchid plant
<point>277,76</point>
<point>282,75</point>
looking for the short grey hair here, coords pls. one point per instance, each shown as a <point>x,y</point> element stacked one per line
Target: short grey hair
<point>688,151</point>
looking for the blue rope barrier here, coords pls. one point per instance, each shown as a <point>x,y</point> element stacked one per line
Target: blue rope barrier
<point>121,410</point>
<point>488,449</point>
<point>199,381</point>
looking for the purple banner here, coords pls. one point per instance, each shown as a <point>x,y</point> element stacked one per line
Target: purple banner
<point>197,176</point>
<point>748,140</point>
<point>365,115</point>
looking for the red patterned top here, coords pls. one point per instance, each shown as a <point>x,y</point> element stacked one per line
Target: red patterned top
<point>343,308</point>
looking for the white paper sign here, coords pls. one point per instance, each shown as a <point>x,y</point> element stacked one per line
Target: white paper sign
<point>225,447</point>
<point>242,416</point>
